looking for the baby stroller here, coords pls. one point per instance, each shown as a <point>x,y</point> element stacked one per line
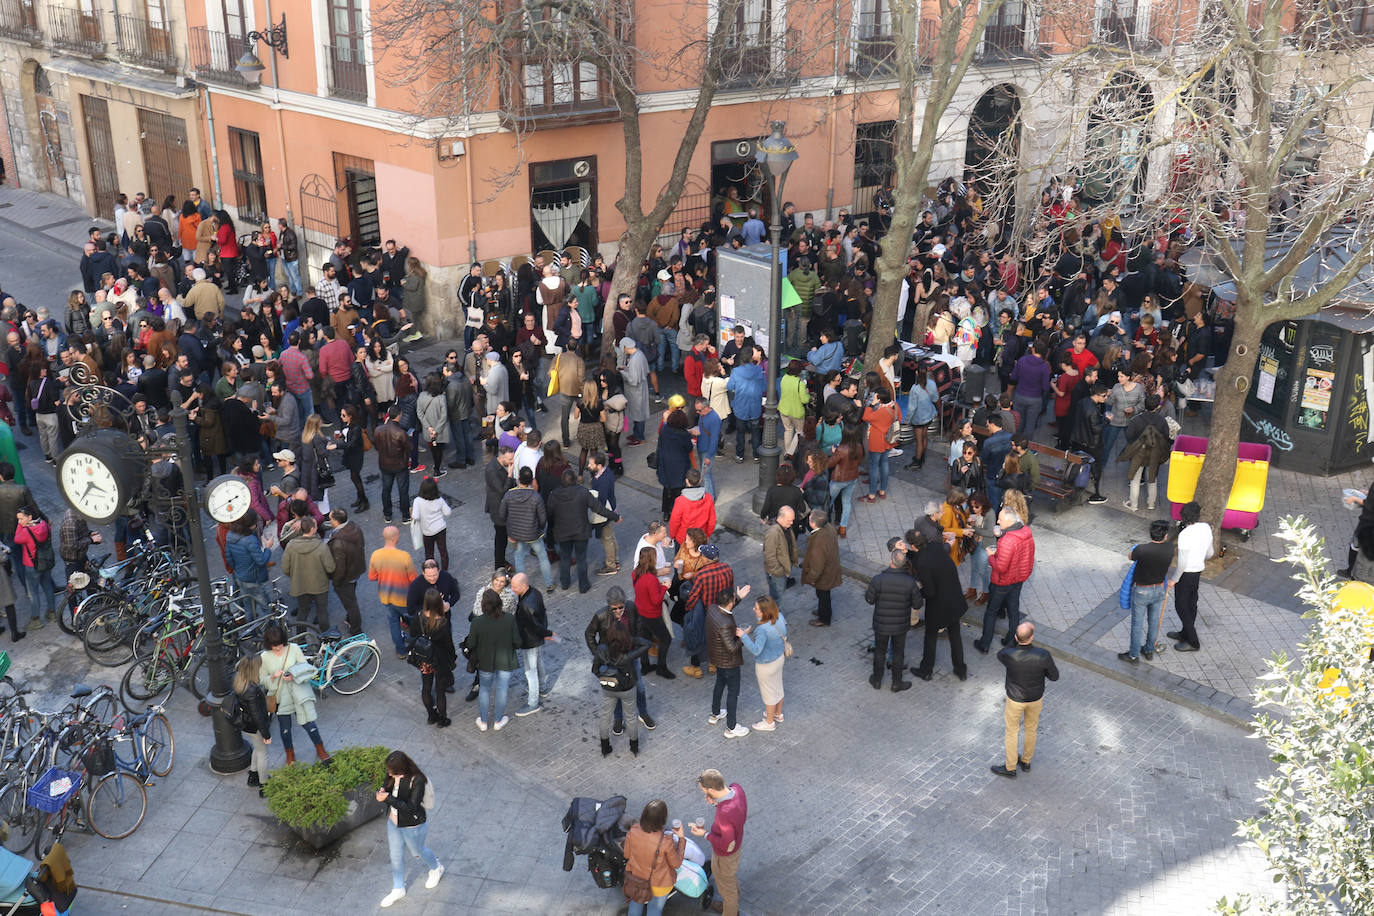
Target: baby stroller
<point>597,830</point>
<point>45,889</point>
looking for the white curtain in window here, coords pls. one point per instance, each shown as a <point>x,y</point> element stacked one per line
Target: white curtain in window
<point>558,222</point>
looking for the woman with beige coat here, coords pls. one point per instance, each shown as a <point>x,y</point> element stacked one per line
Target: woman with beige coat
<point>205,237</point>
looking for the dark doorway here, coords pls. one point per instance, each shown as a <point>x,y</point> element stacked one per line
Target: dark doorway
<point>992,153</point>
<point>737,181</point>
<point>563,205</point>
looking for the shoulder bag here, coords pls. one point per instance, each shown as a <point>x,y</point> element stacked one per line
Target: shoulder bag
<point>637,889</point>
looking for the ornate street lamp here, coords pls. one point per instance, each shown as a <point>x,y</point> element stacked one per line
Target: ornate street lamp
<point>249,66</point>
<point>776,155</point>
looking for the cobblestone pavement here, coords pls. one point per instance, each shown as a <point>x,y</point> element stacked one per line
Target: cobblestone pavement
<point>862,802</point>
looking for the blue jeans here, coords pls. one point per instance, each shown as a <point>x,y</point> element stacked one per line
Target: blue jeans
<point>667,350</point>
<point>727,683</point>
<point>980,570</point>
<point>574,551</point>
<point>776,586</point>
<point>534,674</point>
<point>401,480</point>
<point>707,463</point>
<point>306,400</point>
<point>1030,408</point>
<point>993,490</point>
<point>653,908</point>
<point>395,616</point>
<point>293,275</point>
<point>284,727</point>
<point>23,413</point>
<point>878,465</point>
<point>637,430</point>
<point>486,702</point>
<point>1001,596</point>
<point>464,441</point>
<point>271,273</point>
<point>254,598</point>
<point>1110,436</point>
<point>399,839</point>
<point>1147,603</point>
<point>845,489</point>
<point>39,587</point>
<point>754,429</point>
<point>641,702</point>
<point>536,549</point>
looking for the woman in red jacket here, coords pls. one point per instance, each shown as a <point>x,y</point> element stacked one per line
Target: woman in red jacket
<point>649,594</point>
<point>227,237</point>
<point>30,534</point>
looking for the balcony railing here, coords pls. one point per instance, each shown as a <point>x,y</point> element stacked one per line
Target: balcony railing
<point>214,54</point>
<point>19,19</point>
<point>875,47</point>
<point>347,73</point>
<point>754,60</point>
<point>76,30</point>
<point>1116,29</point>
<point>1004,41</point>
<point>145,43</point>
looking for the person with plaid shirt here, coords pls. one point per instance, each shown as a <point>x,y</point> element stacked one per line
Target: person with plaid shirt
<point>296,374</point>
<point>708,582</point>
<point>74,540</point>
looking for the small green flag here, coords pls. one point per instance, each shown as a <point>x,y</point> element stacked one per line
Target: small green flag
<point>789,295</point>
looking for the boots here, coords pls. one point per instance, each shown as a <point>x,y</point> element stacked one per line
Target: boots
<point>290,756</point>
<point>253,781</point>
<point>605,747</point>
<point>120,547</point>
<point>12,618</point>
<point>634,747</point>
<point>664,672</point>
<point>321,753</point>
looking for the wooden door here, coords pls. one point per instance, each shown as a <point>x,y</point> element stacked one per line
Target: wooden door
<point>166,153</point>
<point>100,152</point>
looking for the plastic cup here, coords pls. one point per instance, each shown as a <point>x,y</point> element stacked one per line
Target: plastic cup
<point>701,822</point>
<point>677,825</point>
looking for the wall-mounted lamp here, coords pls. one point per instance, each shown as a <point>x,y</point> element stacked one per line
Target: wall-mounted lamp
<point>248,66</point>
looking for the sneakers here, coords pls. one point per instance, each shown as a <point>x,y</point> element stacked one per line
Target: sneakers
<point>396,894</point>
<point>434,875</point>
<point>608,570</point>
<point>764,726</point>
<point>716,717</point>
<point>418,469</point>
<point>739,731</point>
<point>501,723</point>
<point>647,721</point>
<point>1096,499</point>
<point>528,710</point>
<point>691,671</point>
<point>481,725</point>
<point>618,729</point>
<point>37,624</point>
<point>1130,506</point>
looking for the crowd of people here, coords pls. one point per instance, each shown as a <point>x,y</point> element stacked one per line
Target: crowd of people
<point>289,388</point>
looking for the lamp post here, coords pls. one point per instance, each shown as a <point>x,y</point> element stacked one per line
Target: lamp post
<point>248,65</point>
<point>776,155</point>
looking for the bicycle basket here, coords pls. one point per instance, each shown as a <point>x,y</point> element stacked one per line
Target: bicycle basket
<point>98,759</point>
<point>40,794</point>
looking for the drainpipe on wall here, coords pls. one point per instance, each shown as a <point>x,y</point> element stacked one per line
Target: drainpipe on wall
<point>472,209</point>
<point>834,94</point>
<point>214,148</point>
<point>281,134</point>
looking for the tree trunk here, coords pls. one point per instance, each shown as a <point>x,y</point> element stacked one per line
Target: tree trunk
<point>1233,386</point>
<point>892,270</point>
<point>635,242</point>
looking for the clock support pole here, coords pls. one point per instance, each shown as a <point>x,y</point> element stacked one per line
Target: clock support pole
<point>231,753</point>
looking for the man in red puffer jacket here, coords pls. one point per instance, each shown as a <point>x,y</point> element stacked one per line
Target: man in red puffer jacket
<point>1012,561</point>
<point>694,508</point>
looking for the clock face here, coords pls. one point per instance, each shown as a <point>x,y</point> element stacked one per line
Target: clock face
<point>228,498</point>
<point>90,486</point>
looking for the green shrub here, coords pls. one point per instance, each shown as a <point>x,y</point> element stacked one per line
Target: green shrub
<point>312,795</point>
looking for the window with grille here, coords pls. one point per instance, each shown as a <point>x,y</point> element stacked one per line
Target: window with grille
<point>250,191</point>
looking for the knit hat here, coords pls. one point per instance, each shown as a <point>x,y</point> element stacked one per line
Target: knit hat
<point>628,343</point>
<point>710,551</point>
<point>493,357</point>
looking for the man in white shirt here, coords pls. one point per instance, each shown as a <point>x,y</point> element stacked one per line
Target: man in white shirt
<point>528,453</point>
<point>1194,547</point>
<point>657,538</point>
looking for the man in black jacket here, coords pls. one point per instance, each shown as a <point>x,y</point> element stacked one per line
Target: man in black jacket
<point>945,605</point>
<point>392,444</point>
<point>532,622</point>
<point>568,507</point>
<point>497,478</point>
<point>894,595</point>
<point>349,548</point>
<point>1086,434</point>
<point>1027,668</point>
<point>725,650</point>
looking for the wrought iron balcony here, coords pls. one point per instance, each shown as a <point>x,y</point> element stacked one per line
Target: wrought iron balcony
<point>146,43</point>
<point>214,54</point>
<point>19,20</point>
<point>347,72</point>
<point>76,30</point>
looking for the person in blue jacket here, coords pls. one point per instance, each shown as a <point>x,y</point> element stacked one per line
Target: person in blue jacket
<point>674,457</point>
<point>247,556</point>
<point>745,388</point>
<point>829,356</point>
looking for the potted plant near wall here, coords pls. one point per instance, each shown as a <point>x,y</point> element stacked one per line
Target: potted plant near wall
<point>322,802</point>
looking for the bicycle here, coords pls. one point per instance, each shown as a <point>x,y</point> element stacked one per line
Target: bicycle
<point>346,665</point>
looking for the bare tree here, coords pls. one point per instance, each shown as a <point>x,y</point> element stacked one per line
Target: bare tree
<point>1275,187</point>
<point>953,44</point>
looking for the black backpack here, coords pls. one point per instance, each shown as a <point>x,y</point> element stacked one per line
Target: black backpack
<point>235,711</point>
<point>420,651</point>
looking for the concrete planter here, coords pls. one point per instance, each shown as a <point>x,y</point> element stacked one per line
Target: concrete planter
<point>362,808</point>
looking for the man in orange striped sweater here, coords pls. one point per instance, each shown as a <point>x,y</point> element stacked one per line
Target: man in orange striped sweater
<point>393,570</point>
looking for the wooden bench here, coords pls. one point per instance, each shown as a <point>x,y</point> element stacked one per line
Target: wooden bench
<point>1058,469</point>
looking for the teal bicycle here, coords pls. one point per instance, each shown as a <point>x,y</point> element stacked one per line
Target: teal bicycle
<point>346,665</point>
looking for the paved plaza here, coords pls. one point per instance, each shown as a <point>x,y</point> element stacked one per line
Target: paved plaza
<point>863,801</point>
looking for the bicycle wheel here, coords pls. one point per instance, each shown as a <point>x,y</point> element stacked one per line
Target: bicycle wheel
<point>85,609</point>
<point>305,635</point>
<point>50,828</point>
<point>353,668</point>
<point>159,746</point>
<point>102,707</point>
<point>148,682</point>
<point>109,636</point>
<point>117,805</point>
<point>18,822</point>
